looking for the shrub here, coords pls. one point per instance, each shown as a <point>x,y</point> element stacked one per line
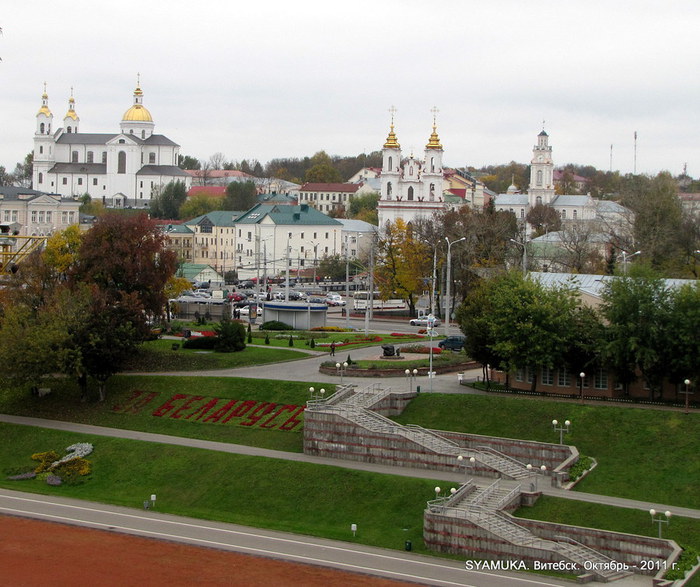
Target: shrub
<point>45,459</point>
<point>580,467</point>
<point>250,334</point>
<point>267,339</point>
<point>275,325</point>
<point>291,340</point>
<point>312,344</point>
<point>200,342</point>
<point>230,336</point>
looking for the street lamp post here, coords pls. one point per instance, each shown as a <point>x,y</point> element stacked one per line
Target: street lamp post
<point>687,393</point>
<point>410,374</point>
<point>342,368</point>
<point>561,429</point>
<point>431,327</point>
<point>447,284</point>
<point>582,377</point>
<point>625,257</point>
<point>659,520</point>
<point>471,461</point>
<point>533,471</point>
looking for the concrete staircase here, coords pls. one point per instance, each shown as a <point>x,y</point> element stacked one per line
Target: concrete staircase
<point>482,505</point>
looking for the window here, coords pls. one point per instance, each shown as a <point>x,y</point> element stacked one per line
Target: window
<point>564,379</point>
<point>388,190</point>
<point>547,376</point>
<point>65,181</point>
<point>33,216</point>
<point>538,201</point>
<point>90,157</point>
<point>600,379</point>
<point>326,235</point>
<point>539,177</point>
<point>522,212</point>
<point>432,164</point>
<point>48,217</point>
<point>7,216</point>
<point>41,217</point>
<point>121,164</point>
<point>41,178</point>
<point>104,156</point>
<point>315,235</point>
<point>41,128</point>
<point>69,129</point>
<point>519,375</point>
<point>74,157</point>
<point>14,215</point>
<point>41,149</point>
<point>151,157</point>
<point>410,193</point>
<point>64,217</point>
<point>206,229</point>
<point>94,181</point>
<point>575,214</point>
<point>80,181</point>
<point>563,214</point>
<point>390,166</point>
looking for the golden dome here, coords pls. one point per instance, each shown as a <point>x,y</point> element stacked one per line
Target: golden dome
<point>434,141</point>
<point>71,109</point>
<point>391,142</point>
<point>44,104</point>
<point>137,113</point>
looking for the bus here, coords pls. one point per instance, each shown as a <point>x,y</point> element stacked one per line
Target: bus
<point>360,302</point>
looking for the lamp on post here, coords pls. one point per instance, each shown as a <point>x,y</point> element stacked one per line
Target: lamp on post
<point>625,257</point>
<point>341,367</point>
<point>447,284</point>
<point>561,429</point>
<point>410,374</point>
<point>687,393</point>
<point>532,470</point>
<point>582,378</point>
<point>659,520</point>
<point>471,461</point>
<point>522,244</point>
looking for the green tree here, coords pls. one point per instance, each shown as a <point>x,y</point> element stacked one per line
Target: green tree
<point>323,173</point>
<point>530,323</point>
<point>240,196</point>
<point>230,336</point>
<point>405,263</point>
<point>332,267</point>
<point>199,205</point>
<point>187,162</point>
<point>364,206</point>
<point>637,310</point>
<point>683,326</point>
<point>166,202</point>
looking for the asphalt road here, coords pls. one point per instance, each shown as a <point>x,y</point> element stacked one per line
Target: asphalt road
<point>303,549</point>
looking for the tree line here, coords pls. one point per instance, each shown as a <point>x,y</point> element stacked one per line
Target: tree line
<point>642,329</point>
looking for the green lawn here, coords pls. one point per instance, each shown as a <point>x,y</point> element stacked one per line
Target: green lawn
<point>158,355</point>
<point>125,392</point>
<point>644,454</point>
<point>265,493</point>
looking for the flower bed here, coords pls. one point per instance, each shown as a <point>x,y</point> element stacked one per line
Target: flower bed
<point>213,410</point>
<point>420,349</point>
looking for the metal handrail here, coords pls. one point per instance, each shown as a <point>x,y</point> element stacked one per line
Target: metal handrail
<point>493,451</point>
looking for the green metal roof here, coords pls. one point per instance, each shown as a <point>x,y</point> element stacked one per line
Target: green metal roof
<point>302,215</point>
<point>192,270</point>
<point>217,218</point>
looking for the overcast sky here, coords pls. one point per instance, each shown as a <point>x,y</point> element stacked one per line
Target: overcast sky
<point>267,79</point>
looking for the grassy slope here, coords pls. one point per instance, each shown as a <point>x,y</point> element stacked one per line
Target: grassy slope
<point>642,454</point>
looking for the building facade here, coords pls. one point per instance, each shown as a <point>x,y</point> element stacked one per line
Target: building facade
<point>37,213</point>
<point>123,169</point>
<point>410,188</point>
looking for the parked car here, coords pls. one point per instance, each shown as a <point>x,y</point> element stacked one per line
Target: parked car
<point>452,343</point>
<point>334,299</point>
<point>317,300</point>
<point>423,321</point>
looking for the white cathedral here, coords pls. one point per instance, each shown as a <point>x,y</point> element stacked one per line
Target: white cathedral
<point>410,189</point>
<point>121,170</point>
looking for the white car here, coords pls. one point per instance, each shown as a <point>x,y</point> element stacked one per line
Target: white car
<point>424,321</point>
<point>333,299</point>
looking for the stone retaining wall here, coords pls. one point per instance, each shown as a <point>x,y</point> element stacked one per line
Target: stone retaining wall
<point>451,535</point>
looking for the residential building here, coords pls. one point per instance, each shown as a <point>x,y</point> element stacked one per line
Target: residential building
<point>271,239</point>
<point>214,239</point>
<point>328,197</point>
<point>37,213</point>
<point>123,169</point>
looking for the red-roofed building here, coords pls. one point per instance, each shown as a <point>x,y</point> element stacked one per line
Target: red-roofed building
<point>221,177</point>
<point>580,182</point>
<point>213,191</point>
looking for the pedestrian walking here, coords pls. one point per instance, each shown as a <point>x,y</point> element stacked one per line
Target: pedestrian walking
<point>333,349</point>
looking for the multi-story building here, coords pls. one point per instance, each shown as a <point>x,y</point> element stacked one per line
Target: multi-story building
<point>37,213</point>
<point>328,197</point>
<point>123,169</point>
